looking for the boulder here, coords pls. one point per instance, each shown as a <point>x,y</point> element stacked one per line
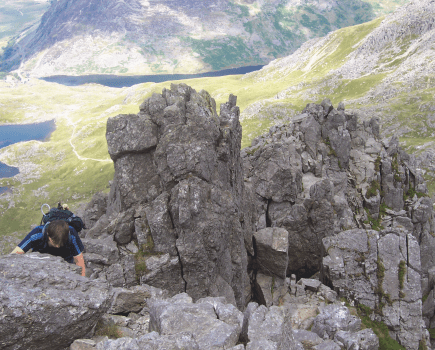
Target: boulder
<point>307,338</point>
<point>46,303</point>
<point>212,324</point>
<point>271,247</point>
<point>132,299</point>
<point>164,271</point>
<point>151,341</point>
<point>94,210</point>
<point>130,133</point>
<point>270,329</point>
<point>333,318</point>
<point>365,339</point>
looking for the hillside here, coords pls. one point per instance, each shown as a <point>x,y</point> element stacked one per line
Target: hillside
<point>18,17</point>
<point>381,68</point>
<point>78,37</point>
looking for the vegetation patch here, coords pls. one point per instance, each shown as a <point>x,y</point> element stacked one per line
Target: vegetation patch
<point>379,328</point>
<point>395,168</point>
<point>374,189</point>
<point>402,272</point>
<point>110,330</point>
<point>412,192</point>
<point>374,223</point>
<point>378,164</point>
<point>144,252</point>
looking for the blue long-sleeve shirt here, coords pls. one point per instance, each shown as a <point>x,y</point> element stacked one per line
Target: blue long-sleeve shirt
<point>37,240</point>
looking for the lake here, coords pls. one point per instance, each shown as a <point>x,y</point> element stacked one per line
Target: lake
<point>10,134</point>
<point>119,81</point>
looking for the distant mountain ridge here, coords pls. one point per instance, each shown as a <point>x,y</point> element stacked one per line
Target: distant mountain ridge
<point>172,36</point>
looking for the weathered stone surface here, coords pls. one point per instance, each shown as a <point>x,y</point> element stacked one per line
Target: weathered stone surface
<point>271,246</point>
<point>185,185</point>
<point>278,173</point>
<point>106,248</point>
<point>333,318</point>
<point>130,133</point>
<point>361,263</point>
<point>122,227</point>
<point>135,181</point>
<point>151,341</point>
<point>130,300</point>
<point>339,167</point>
<point>365,339</point>
<point>270,329</point>
<point>164,272</point>
<point>94,210</point>
<point>310,284</point>
<point>160,224</point>
<point>307,338</point>
<point>209,322</point>
<point>45,302</point>
<point>186,194</point>
<point>83,344</point>
<point>327,345</point>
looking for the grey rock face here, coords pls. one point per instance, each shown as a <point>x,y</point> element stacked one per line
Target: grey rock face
<point>178,184</point>
<point>306,337</point>
<point>350,180</point>
<point>306,195</point>
<point>45,302</point>
<point>151,341</point>
<point>142,131</point>
<point>373,267</point>
<point>164,272</point>
<point>95,209</point>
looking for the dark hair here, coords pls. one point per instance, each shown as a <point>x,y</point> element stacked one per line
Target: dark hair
<point>58,231</point>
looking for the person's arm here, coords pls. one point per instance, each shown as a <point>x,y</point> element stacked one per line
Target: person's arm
<point>79,261</point>
<point>17,250</point>
<point>29,241</point>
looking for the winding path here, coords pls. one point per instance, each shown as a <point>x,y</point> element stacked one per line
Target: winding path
<point>74,125</point>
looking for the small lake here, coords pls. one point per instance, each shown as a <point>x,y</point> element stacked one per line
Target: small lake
<point>10,134</point>
<point>119,81</point>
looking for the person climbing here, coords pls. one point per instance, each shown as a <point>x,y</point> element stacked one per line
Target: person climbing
<point>56,238</point>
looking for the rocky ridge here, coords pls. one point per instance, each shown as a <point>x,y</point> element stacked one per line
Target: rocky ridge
<point>232,236</point>
<point>382,68</point>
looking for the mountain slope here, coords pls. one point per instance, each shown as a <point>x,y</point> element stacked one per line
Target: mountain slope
<point>140,36</point>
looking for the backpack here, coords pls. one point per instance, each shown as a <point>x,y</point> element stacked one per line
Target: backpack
<point>62,213</point>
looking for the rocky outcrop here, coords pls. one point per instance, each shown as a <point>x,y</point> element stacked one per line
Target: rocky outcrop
<point>324,174</point>
<point>178,192</point>
<point>45,303</point>
<point>188,212</point>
